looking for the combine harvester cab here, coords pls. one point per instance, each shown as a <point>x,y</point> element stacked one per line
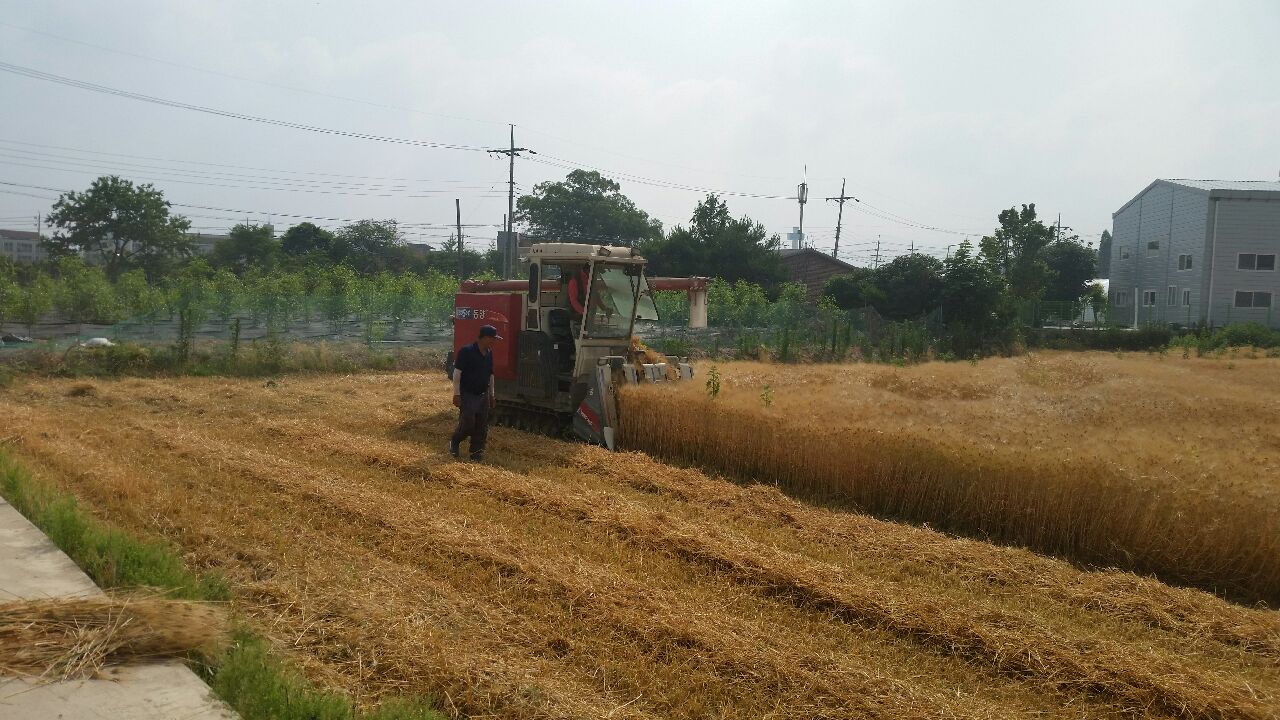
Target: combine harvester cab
<point>564,356</point>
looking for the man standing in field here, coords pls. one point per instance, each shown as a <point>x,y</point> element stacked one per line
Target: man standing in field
<point>473,392</point>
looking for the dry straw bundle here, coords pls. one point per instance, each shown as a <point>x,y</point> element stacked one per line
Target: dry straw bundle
<point>75,637</point>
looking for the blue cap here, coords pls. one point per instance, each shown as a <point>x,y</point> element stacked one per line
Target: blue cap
<point>489,331</point>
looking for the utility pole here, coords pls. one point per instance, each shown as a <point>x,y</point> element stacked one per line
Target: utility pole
<point>457,206</point>
<point>949,251</point>
<point>913,247</point>
<point>802,194</point>
<point>840,214</point>
<point>1058,233</point>
<point>511,152</point>
<point>876,264</point>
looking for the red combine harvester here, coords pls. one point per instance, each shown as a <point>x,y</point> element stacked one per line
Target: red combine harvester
<point>563,358</point>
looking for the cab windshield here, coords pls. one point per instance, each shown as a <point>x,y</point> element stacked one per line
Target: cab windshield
<point>619,294</point>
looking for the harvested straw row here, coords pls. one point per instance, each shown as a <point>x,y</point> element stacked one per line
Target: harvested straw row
<point>1197,617</point>
<point>836,686</point>
<point>439,636</point>
<point>67,638</point>
<point>1193,615</point>
<point>480,659</point>
<point>1072,510</point>
<point>1008,642</point>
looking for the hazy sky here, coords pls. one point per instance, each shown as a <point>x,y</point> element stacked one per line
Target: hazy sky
<point>939,113</point>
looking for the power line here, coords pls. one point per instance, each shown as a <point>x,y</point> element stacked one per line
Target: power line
<point>550,160</point>
<point>241,78</point>
<point>249,185</point>
<point>225,165</point>
<point>94,87</point>
<point>238,211</point>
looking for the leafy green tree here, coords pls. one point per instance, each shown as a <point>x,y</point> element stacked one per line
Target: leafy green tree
<point>974,303</point>
<point>9,292</point>
<point>717,244</point>
<point>445,260</point>
<point>275,298</point>
<point>369,246</point>
<point>370,302</point>
<point>911,285</point>
<point>406,297</point>
<point>137,298</point>
<point>121,225</point>
<point>585,207</point>
<point>337,293</point>
<point>1016,250</point>
<point>1104,255</point>
<point>227,292</point>
<point>83,293</point>
<point>738,304</point>
<point>855,289</point>
<point>34,301</point>
<point>247,246</point>
<point>191,297</point>
<point>1073,265</point>
<point>439,292</point>
<point>306,238</point>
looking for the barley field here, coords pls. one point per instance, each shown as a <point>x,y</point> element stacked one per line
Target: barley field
<point>564,581</point>
<point>1153,463</point>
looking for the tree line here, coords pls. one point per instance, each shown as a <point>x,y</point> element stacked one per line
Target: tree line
<point>139,254</point>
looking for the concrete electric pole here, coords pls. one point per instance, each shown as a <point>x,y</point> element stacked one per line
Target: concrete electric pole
<point>839,214</point>
<point>457,206</point>
<point>511,152</point>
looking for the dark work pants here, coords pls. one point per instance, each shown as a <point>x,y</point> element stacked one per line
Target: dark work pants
<point>473,422</point>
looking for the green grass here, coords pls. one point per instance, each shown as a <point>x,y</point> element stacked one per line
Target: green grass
<point>251,679</point>
<point>259,685</point>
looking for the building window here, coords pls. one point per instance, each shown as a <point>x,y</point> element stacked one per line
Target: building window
<point>1148,298</point>
<point>8,247</point>
<point>1153,247</point>
<point>1124,254</point>
<point>1253,261</point>
<point>1173,295</point>
<point>1186,298</point>
<point>24,247</point>
<point>1122,298</point>
<point>1252,299</point>
<point>1184,262</point>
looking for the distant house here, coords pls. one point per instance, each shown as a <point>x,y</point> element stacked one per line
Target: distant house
<point>812,269</point>
<point>21,246</point>
<point>1197,251</point>
<point>202,243</point>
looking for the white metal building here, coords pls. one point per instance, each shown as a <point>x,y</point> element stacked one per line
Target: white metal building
<point>1197,251</point>
<point>21,246</point>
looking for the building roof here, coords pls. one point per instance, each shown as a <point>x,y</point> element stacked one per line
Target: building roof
<point>1241,189</point>
<point>19,235</point>
<point>788,253</point>
<point>1246,185</point>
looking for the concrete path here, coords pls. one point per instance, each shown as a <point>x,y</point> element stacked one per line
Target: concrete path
<point>32,567</point>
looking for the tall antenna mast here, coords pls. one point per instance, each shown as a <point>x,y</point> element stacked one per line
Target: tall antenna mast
<point>802,194</point>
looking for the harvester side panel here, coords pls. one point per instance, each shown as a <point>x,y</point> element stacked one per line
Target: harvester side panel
<point>504,311</point>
